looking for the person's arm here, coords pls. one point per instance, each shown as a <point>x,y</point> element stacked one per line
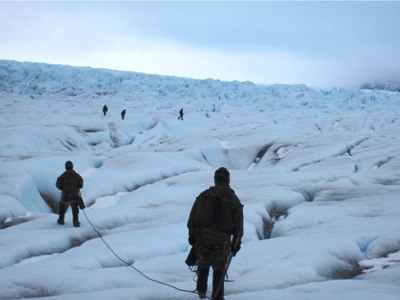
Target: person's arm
<point>80,181</point>
<point>191,224</point>
<point>59,183</point>
<point>237,227</point>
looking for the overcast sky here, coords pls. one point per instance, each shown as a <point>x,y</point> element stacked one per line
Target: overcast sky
<point>321,44</point>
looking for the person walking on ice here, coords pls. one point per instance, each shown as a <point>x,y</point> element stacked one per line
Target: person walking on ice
<point>215,228</point>
<point>70,183</point>
<point>180,114</point>
<point>105,109</point>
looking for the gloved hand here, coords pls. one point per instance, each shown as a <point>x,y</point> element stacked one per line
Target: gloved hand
<point>235,247</point>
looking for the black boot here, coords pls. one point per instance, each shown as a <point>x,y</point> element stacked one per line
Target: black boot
<point>61,214</point>
<point>218,285</point>
<point>202,277</point>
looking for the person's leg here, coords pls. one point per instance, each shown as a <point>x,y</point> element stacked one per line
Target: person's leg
<point>219,271</point>
<point>61,213</point>
<point>202,278</point>
<point>218,285</point>
<point>75,214</point>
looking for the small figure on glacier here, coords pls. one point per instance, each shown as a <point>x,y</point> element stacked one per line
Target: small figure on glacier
<point>215,231</point>
<point>180,114</point>
<point>123,114</point>
<point>70,183</point>
<point>105,109</point>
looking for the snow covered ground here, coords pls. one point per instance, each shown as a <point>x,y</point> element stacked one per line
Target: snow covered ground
<point>318,172</point>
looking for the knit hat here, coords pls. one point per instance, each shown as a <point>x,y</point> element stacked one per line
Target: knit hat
<point>69,165</point>
<point>222,175</point>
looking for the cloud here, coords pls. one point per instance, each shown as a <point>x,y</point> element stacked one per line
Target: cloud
<point>316,43</point>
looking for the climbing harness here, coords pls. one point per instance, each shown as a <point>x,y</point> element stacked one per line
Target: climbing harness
<point>131,266</point>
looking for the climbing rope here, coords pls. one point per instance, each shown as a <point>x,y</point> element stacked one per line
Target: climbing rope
<point>131,266</point>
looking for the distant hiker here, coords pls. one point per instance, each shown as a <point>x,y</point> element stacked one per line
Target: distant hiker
<point>123,114</point>
<point>215,231</point>
<point>180,114</point>
<point>105,109</point>
<point>70,183</point>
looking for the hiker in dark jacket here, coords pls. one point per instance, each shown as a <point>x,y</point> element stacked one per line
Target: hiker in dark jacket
<point>105,109</point>
<point>180,114</point>
<point>70,183</point>
<point>215,230</point>
<point>123,114</point>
